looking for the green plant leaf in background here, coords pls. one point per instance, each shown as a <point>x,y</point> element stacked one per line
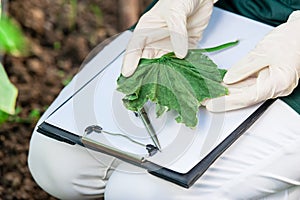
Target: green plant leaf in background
<point>3,117</point>
<point>8,93</point>
<point>12,40</point>
<point>173,84</point>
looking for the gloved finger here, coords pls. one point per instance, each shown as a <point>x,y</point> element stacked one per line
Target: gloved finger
<point>196,27</point>
<point>218,104</point>
<point>241,96</point>
<point>130,62</point>
<point>248,66</point>
<point>178,33</point>
<point>271,82</point>
<point>136,46</point>
<point>274,81</point>
<point>152,52</point>
<point>158,48</point>
<point>236,99</point>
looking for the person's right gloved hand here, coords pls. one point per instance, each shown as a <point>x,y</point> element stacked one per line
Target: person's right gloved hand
<point>171,25</point>
<point>270,70</point>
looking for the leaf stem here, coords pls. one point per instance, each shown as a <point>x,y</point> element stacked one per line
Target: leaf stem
<point>219,47</point>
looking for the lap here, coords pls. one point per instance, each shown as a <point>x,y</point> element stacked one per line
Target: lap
<point>68,171</point>
<point>262,163</point>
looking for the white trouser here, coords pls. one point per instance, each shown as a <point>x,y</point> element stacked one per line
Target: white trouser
<point>263,163</point>
<point>67,171</point>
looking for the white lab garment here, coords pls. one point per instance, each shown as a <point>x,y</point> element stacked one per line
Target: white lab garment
<point>67,171</point>
<point>263,163</point>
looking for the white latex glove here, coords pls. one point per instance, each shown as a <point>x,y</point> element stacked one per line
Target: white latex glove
<point>171,25</point>
<point>270,70</point>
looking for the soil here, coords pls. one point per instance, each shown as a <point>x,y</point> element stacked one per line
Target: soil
<point>59,36</point>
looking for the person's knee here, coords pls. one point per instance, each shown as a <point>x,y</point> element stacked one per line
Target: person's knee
<point>67,171</point>
<point>130,182</point>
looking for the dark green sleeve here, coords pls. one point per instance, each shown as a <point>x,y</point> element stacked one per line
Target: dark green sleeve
<point>293,100</point>
<point>272,12</point>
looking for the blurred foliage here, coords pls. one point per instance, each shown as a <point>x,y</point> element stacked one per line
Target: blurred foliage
<point>33,116</point>
<point>8,93</point>
<point>12,41</point>
<point>98,14</point>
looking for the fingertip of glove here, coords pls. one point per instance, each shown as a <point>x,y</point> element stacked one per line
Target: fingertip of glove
<point>231,77</point>
<point>127,73</point>
<point>180,47</point>
<point>128,69</point>
<point>179,40</point>
<point>130,63</point>
<point>181,54</point>
<point>215,105</point>
<point>227,79</point>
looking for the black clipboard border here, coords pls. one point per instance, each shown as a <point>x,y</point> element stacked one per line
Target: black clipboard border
<point>185,180</point>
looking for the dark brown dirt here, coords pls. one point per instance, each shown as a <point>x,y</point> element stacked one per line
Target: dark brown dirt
<point>60,37</point>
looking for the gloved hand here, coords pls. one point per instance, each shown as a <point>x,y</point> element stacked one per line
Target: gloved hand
<point>171,25</point>
<point>270,70</point>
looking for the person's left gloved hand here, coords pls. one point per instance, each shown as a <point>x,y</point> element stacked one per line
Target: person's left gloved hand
<point>271,70</point>
<point>171,25</point>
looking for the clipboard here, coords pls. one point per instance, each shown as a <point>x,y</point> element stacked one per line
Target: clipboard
<point>91,113</point>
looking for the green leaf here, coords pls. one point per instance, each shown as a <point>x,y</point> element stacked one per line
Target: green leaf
<point>8,93</point>
<point>173,84</point>
<point>3,117</point>
<point>12,40</point>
